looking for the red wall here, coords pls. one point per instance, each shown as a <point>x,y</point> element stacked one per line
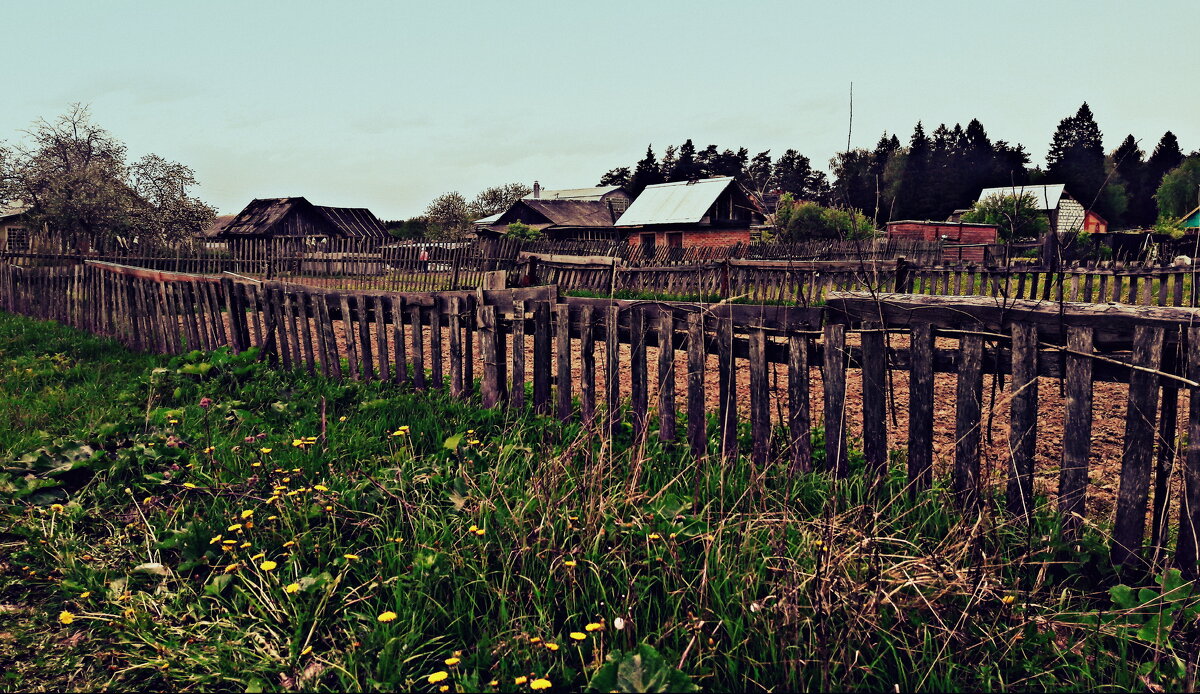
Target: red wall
<point>954,233</point>
<point>1094,223</point>
<point>696,237</point>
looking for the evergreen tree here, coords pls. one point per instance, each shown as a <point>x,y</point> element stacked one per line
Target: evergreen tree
<point>645,174</point>
<point>686,168</point>
<point>1076,158</point>
<point>793,174</point>
<point>667,166</point>
<point>1010,166</point>
<point>854,185</point>
<point>1129,168</point>
<point>1166,156</point>
<point>913,198</point>
<point>615,177</point>
<point>759,177</point>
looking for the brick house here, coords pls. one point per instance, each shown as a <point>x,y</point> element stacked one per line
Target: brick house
<point>711,212</point>
<point>950,233</point>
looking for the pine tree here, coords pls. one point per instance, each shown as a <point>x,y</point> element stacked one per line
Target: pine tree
<point>793,172</point>
<point>759,176</point>
<point>913,195</point>
<point>645,174</point>
<point>685,168</point>
<point>1129,168</point>
<point>1166,156</point>
<point>1076,158</point>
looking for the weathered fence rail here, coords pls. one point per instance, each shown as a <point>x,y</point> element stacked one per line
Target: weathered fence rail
<point>691,373</point>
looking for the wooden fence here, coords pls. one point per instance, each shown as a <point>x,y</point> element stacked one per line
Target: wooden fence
<point>665,368</point>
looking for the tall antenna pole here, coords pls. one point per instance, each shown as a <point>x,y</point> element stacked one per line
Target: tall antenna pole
<point>851,128</point>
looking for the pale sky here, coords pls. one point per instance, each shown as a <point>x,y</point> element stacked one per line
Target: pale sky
<point>388,104</point>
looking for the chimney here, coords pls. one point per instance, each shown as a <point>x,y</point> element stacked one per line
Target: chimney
<point>537,190</point>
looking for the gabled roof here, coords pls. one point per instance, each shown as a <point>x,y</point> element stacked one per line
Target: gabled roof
<point>678,202</point>
<point>15,209</point>
<point>539,213</point>
<point>258,218</point>
<point>594,193</point>
<point>1193,215</point>
<point>1046,197</point>
<point>490,219</point>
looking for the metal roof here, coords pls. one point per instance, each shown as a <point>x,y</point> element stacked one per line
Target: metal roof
<point>594,193</point>
<point>1047,197</point>
<point>679,202</point>
<point>490,219</point>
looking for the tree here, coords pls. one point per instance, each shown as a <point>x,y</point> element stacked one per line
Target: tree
<point>1016,216</point>
<point>524,232</point>
<point>449,217</point>
<point>804,220</point>
<point>1076,158</point>
<point>497,199</point>
<point>615,177</point>
<point>74,175</point>
<point>759,177</point>
<point>685,168</point>
<point>1128,168</point>
<point>914,199</point>
<point>1165,157</point>
<point>410,229</point>
<point>645,174</point>
<point>854,184</point>
<point>1179,192</point>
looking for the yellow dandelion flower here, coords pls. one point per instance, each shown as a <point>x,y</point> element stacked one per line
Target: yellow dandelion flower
<point>264,451</point>
<point>387,616</point>
<point>258,556</point>
<point>535,639</point>
<point>540,683</point>
<point>569,563</point>
<point>234,528</point>
<point>320,488</point>
<point>654,536</point>
<point>521,680</point>
<point>444,688</point>
<point>551,646</point>
<point>480,532</point>
<point>130,613</point>
<point>351,557</point>
<point>172,421</point>
<point>437,676</point>
<point>494,683</point>
<point>228,542</point>
<point>306,651</point>
<point>256,464</point>
<point>189,485</point>
<point>215,540</point>
<point>268,565</point>
<point>247,513</point>
<point>452,661</point>
<point>328,508</point>
<point>231,568</point>
<point>271,518</point>
<point>85,595</point>
<point>57,508</point>
<point>473,528</point>
<point>292,588</point>
<point>1008,599</point>
<point>578,635</point>
<point>209,450</point>
<point>65,617</point>
<point>341,419</point>
<point>244,545</point>
<point>593,626</point>
<point>289,543</point>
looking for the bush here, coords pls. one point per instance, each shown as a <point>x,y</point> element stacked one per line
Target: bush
<point>798,221</point>
<point>524,232</point>
<point>1016,216</point>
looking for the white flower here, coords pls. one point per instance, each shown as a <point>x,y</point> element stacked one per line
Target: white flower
<point>618,624</point>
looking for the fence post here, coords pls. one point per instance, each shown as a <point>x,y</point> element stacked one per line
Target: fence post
<point>968,413</point>
<point>237,316</point>
<point>834,374</point>
<point>541,357</point>
<point>563,340</point>
<point>903,278</point>
<point>1023,421</point>
<point>1129,529</point>
<point>487,345</point>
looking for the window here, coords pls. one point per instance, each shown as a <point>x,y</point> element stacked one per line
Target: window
<point>675,240</point>
<point>18,239</point>
<point>647,243</point>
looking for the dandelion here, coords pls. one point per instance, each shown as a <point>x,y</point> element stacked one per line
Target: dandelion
<point>231,568</point>
<point>452,661</point>
<point>578,635</point>
<point>570,563</point>
<point>437,676</point>
<point>226,542</point>
<point>351,557</point>
<point>306,651</point>
<point>342,418</point>
<point>292,588</point>
<point>264,451</point>
<point>289,543</point>
<point>320,488</point>
<point>444,688</point>
<point>65,617</point>
<point>387,616</point>
<point>189,485</point>
<point>57,508</point>
<point>654,536</point>
<point>480,532</point>
<point>540,683</point>
<point>494,683</point>
<point>521,680</point>
<point>234,528</point>
<point>258,556</point>
<point>1008,599</point>
<point>271,518</point>
<point>268,565</point>
<point>535,639</point>
<point>593,626</point>
<point>256,464</point>
<point>85,595</point>
<point>209,450</point>
<point>172,421</point>
<point>247,513</point>
<point>552,646</point>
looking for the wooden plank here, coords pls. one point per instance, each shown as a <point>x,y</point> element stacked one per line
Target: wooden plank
<point>517,393</point>
<point>666,377</point>
<point>562,337</point>
<point>760,401</point>
<point>418,346</point>
<point>293,341</point>
<point>968,416</point>
<point>303,305</point>
<point>490,387</point>
<point>456,353</point>
<point>396,307</point>
<point>874,403</point>
<point>348,334</point>
<point>1073,476</point>
<point>799,419</point>
<point>587,366</point>
<point>639,393</point>
<point>612,372</point>
<point>726,389</point>
<point>541,357</point>
<point>1022,439</point>
<point>1129,529</point>
<point>362,313</point>
<point>331,363</point>
<point>436,348</point>
<point>1186,554</point>
<point>469,308</point>
<point>1164,466</point>
<point>837,460</point>
<point>381,339</point>
<point>697,418</point>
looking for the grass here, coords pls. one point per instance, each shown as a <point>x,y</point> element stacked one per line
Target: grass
<point>206,523</point>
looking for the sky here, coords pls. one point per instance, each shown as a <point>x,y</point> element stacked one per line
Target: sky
<point>388,104</point>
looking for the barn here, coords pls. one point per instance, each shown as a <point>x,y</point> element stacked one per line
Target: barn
<point>949,233</point>
<point>297,218</point>
<point>710,212</point>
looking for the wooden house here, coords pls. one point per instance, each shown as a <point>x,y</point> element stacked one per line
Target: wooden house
<point>300,220</point>
<point>14,228</point>
<point>949,233</point>
<point>1064,213</point>
<point>712,212</point>
<point>557,219</point>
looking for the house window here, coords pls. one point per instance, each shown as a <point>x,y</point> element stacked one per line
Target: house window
<point>675,240</point>
<point>18,239</point>
<point>648,243</point>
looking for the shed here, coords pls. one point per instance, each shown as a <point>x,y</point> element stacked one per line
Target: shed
<point>708,212</point>
<point>950,233</point>
<point>297,218</point>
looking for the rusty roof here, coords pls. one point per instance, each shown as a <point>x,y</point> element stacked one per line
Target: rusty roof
<point>261,215</point>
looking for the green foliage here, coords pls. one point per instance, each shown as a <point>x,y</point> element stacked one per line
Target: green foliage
<point>1179,192</point>
<point>1016,216</point>
<point>801,221</point>
<point>524,232</point>
<point>640,670</point>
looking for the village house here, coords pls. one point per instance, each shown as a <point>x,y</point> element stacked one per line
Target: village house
<point>300,220</point>
<point>708,212</point>
<point>566,214</point>
<point>949,233</point>
<point>14,228</point>
<point>1065,213</point>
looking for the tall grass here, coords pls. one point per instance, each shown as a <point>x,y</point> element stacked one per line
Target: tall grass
<point>221,525</point>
